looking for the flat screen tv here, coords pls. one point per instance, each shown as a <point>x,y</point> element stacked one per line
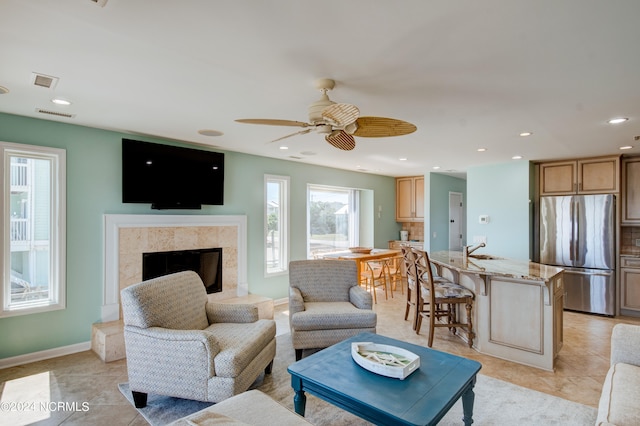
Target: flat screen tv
<point>171,177</point>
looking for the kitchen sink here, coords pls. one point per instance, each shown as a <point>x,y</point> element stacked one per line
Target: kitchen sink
<point>485,257</point>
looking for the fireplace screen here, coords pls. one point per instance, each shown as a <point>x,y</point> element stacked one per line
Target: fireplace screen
<point>206,262</point>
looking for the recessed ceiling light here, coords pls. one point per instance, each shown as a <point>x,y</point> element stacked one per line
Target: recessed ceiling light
<point>517,157</point>
<point>618,120</point>
<point>210,132</point>
<point>436,167</point>
<point>283,147</point>
<point>626,147</point>
<point>60,101</point>
<point>526,134</point>
<point>482,149</point>
<point>402,159</point>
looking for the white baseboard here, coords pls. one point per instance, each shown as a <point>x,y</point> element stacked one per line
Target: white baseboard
<point>42,355</point>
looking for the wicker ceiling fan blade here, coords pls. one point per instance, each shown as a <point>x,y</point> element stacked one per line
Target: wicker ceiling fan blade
<point>341,140</point>
<point>381,127</point>
<point>270,122</point>
<point>340,114</point>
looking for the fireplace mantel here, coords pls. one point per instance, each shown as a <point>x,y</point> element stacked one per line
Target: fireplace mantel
<point>115,223</point>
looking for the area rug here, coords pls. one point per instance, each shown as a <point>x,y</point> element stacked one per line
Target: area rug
<point>496,403</point>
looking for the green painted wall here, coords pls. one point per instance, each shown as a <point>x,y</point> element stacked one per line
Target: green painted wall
<point>503,192</point>
<point>439,187</point>
<point>94,189</point>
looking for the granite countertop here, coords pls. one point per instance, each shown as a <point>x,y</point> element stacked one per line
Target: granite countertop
<point>495,266</point>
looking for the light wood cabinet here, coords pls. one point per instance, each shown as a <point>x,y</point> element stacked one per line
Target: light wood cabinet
<point>584,176</point>
<point>410,199</point>
<point>631,191</point>
<point>630,283</point>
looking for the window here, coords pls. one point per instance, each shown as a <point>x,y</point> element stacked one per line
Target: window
<point>333,221</point>
<point>33,229</point>
<point>276,224</point>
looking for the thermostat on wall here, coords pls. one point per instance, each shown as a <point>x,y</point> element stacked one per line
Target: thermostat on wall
<point>483,218</point>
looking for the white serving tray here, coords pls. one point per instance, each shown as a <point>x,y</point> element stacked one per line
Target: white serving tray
<point>386,360</point>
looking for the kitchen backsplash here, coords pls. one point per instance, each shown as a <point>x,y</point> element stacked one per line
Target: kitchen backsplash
<point>629,236</point>
<point>416,230</point>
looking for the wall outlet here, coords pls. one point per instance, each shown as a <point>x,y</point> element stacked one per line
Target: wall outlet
<point>638,242</point>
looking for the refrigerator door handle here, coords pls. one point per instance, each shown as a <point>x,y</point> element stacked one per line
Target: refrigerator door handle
<point>572,241</point>
<point>576,232</point>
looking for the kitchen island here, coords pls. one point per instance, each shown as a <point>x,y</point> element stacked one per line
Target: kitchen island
<point>518,305</point>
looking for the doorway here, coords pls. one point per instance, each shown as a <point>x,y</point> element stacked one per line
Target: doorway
<point>455,221</point>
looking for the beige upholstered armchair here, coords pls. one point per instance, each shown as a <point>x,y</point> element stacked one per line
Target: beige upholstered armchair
<point>180,344</point>
<point>326,304</point>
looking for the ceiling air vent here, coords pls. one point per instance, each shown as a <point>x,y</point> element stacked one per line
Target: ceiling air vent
<point>46,81</point>
<point>56,113</point>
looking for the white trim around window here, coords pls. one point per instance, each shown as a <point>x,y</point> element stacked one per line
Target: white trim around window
<point>276,225</point>
<point>33,231</point>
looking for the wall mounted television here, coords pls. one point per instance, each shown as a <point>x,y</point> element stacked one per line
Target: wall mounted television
<point>171,177</point>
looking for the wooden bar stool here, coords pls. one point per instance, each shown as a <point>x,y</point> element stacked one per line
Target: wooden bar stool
<point>438,300</point>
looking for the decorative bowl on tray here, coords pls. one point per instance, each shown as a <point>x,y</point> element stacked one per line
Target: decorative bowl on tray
<point>360,250</point>
<point>385,360</point>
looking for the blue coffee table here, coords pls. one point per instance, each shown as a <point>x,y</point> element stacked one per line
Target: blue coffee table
<point>423,398</point>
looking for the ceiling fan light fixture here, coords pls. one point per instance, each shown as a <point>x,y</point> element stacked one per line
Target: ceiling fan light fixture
<point>316,108</point>
<point>325,129</point>
<point>351,128</point>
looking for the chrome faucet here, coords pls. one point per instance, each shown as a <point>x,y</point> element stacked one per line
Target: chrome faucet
<point>467,250</point>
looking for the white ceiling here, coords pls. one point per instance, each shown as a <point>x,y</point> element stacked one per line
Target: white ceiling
<point>468,74</point>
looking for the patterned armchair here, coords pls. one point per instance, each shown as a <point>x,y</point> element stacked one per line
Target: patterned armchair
<point>180,344</point>
<point>326,304</point>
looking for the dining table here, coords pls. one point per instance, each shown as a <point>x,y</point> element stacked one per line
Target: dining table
<point>360,258</point>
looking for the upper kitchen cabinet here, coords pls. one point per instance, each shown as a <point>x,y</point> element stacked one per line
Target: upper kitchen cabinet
<point>585,176</point>
<point>631,191</point>
<point>410,199</point>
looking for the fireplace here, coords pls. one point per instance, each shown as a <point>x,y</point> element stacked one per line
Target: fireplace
<point>128,237</point>
<point>206,262</point>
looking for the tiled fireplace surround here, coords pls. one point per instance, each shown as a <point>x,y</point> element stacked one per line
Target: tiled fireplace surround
<point>128,236</point>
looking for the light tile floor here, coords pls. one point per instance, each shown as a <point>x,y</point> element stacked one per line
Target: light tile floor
<point>83,377</point>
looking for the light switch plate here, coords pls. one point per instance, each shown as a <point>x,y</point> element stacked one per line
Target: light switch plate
<point>638,242</point>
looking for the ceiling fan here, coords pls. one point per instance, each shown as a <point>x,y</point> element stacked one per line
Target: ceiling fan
<point>339,122</point>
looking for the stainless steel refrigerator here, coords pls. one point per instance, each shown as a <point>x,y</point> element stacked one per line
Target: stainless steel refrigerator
<point>577,233</point>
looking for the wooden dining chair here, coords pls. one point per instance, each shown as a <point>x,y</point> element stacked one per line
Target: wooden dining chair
<point>376,274</point>
<point>439,300</point>
<point>395,265</point>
